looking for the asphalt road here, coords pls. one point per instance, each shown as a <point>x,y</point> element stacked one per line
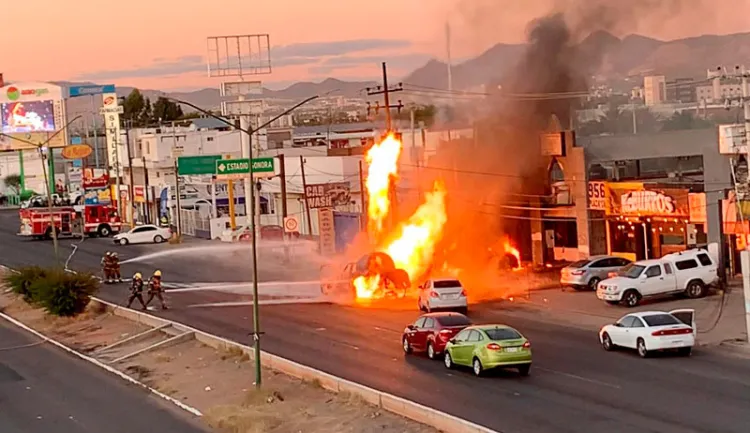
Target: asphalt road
<point>574,386</point>
<point>43,389</point>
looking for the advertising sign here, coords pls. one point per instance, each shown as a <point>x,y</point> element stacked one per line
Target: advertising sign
<point>732,139</point>
<point>697,205</point>
<point>327,231</point>
<point>139,194</point>
<point>95,178</point>
<point>625,199</point>
<point>597,192</point>
<point>91,89</point>
<point>97,196</point>
<point>30,114</point>
<point>111,129</point>
<point>76,151</point>
<point>327,195</point>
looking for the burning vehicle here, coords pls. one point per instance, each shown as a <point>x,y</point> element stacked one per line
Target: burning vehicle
<point>392,281</point>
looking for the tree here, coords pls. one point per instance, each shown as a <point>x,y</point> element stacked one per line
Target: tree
<point>684,120</point>
<point>165,110</point>
<point>13,181</point>
<point>134,108</point>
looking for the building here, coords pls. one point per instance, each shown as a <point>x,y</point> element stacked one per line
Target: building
<point>682,90</point>
<point>728,88</point>
<point>655,90</point>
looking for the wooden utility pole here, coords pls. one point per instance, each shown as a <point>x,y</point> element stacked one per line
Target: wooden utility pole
<point>282,184</point>
<point>385,91</point>
<point>304,194</point>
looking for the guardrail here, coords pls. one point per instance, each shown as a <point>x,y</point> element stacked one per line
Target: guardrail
<point>400,406</point>
<point>10,201</point>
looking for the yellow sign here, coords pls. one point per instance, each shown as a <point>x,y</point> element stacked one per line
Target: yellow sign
<point>76,151</point>
<point>30,140</point>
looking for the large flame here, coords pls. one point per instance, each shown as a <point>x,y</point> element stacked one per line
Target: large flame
<point>412,243</point>
<point>513,251</point>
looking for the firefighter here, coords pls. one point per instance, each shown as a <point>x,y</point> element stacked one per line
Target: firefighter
<point>116,276</point>
<point>155,289</point>
<point>136,290</point>
<point>107,267</point>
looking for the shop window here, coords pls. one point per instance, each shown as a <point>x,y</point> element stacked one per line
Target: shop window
<point>683,265</point>
<point>566,233</point>
<point>625,238</point>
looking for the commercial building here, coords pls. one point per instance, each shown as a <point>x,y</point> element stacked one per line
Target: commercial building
<point>654,90</point>
<point>682,90</point>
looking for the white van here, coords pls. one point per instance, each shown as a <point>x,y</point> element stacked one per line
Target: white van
<point>688,272</point>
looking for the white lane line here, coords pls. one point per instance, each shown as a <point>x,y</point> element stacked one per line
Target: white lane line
<point>584,379</point>
<point>261,302</point>
<point>377,328</point>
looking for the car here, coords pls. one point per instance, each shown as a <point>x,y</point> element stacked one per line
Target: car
<point>484,347</point>
<point>689,272</point>
<point>144,234</point>
<point>431,332</point>
<point>587,273</point>
<point>651,331</point>
<point>442,293</point>
<point>394,281</point>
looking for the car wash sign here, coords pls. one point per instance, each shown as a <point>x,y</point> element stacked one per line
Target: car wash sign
<point>328,195</point>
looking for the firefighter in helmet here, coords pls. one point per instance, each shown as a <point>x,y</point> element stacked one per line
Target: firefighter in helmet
<point>155,289</point>
<point>136,290</point>
<point>107,267</point>
<point>116,276</point>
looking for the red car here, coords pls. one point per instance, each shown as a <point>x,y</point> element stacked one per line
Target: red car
<point>432,331</point>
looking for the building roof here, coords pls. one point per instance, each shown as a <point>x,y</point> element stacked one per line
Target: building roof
<point>338,128</point>
<point>209,123</point>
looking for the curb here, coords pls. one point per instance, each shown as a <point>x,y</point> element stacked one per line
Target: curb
<point>99,364</point>
<point>400,406</point>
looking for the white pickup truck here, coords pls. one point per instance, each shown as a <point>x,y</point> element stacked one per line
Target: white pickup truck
<point>688,272</point>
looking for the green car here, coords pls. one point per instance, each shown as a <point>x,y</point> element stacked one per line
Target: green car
<point>484,347</point>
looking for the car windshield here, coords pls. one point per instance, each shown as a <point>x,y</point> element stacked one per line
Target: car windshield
<point>497,334</point>
<point>447,284</point>
<point>453,320</point>
<point>661,320</point>
<point>579,264</point>
<point>631,271</point>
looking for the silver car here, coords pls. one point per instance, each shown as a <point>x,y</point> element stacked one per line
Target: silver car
<point>586,274</point>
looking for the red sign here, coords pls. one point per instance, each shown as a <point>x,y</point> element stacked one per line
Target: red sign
<point>109,100</point>
<point>93,178</point>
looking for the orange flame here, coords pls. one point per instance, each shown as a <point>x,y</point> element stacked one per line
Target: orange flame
<point>382,160</point>
<point>513,251</point>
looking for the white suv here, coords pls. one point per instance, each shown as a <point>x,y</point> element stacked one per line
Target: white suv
<point>689,272</point>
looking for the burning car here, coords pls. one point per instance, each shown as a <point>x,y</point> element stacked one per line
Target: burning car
<point>377,266</point>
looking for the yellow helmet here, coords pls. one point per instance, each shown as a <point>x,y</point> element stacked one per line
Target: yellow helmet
<point>137,276</point>
<point>157,273</point>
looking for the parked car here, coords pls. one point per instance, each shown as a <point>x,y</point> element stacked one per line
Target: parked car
<point>442,293</point>
<point>587,273</point>
<point>144,234</point>
<point>484,347</point>
<point>650,331</point>
<point>688,272</point>
<point>431,332</point>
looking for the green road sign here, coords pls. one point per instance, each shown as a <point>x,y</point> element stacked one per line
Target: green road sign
<point>231,169</point>
<point>197,165</point>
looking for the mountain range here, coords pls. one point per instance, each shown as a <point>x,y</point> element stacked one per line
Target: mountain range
<point>631,56</point>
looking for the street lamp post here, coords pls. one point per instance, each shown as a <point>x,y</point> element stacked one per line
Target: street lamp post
<point>40,147</point>
<point>250,131</point>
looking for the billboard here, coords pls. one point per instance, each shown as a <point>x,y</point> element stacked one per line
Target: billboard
<point>30,115</point>
<point>111,111</point>
<point>327,195</point>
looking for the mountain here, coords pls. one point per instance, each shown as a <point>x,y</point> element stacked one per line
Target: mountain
<point>633,55</point>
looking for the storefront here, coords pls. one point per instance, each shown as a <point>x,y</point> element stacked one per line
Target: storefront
<point>646,222</point>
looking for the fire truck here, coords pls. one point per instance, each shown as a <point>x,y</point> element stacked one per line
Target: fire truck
<point>93,220</point>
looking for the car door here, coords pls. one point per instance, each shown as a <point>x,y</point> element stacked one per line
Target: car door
<point>686,316</point>
<point>411,333</point>
<point>462,346</point>
<point>420,338</point>
<point>652,281</point>
<point>670,278</point>
<point>619,333</point>
<point>600,268</point>
<point>637,328</point>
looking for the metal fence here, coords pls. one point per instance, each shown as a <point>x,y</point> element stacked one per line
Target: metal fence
<point>11,200</point>
<point>193,224</point>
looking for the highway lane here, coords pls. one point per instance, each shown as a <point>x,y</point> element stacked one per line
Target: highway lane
<point>43,389</point>
<point>575,386</point>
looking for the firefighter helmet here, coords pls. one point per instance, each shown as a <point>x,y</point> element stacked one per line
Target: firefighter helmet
<point>137,276</point>
<point>157,273</point>
<point>108,253</point>
<point>114,254</point>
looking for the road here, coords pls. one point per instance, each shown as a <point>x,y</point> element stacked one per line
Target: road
<point>43,389</point>
<point>574,387</point>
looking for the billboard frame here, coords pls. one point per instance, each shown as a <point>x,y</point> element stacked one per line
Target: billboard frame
<point>238,55</point>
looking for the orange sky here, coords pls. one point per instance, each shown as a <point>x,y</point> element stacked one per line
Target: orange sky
<point>160,44</point>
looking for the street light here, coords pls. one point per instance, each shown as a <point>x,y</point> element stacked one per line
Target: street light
<point>40,147</point>
<point>250,132</point>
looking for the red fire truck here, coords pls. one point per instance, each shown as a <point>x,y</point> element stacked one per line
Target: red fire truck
<point>93,220</point>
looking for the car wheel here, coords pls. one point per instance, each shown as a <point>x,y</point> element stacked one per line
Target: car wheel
<point>158,239</point>
<point>696,289</point>
<point>123,241</point>
<point>593,283</point>
<point>523,370</point>
<point>405,344</point>
<point>477,367</point>
<point>607,342</point>
<point>431,351</point>
<point>448,361</point>
<point>631,298</point>
<point>641,346</point>
<point>685,351</point>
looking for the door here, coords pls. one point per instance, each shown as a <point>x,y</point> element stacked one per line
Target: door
<point>652,281</point>
<point>411,334</point>
<point>686,316</point>
<point>420,338</point>
<point>65,223</point>
<point>462,346</point>
<point>620,333</point>
<point>636,330</point>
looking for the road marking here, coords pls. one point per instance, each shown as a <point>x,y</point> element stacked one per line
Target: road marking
<point>377,328</point>
<point>575,376</point>
<point>261,302</point>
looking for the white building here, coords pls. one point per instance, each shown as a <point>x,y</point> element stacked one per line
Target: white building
<point>727,90</point>
<point>655,90</point>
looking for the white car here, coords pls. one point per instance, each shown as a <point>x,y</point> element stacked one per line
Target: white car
<point>442,293</point>
<point>651,331</point>
<point>689,272</point>
<point>144,234</point>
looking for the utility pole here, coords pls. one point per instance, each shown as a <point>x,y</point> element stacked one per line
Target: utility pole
<point>304,194</point>
<point>362,199</point>
<point>177,196</point>
<point>145,191</point>
<point>385,91</point>
<point>282,184</point>
<point>131,187</point>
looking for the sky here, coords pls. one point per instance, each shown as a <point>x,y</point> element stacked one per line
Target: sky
<point>161,44</point>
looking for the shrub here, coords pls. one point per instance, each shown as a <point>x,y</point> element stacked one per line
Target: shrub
<point>20,282</point>
<point>58,292</point>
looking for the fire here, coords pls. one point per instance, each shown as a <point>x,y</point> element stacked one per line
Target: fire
<point>513,251</point>
<point>382,160</point>
<point>412,243</point>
